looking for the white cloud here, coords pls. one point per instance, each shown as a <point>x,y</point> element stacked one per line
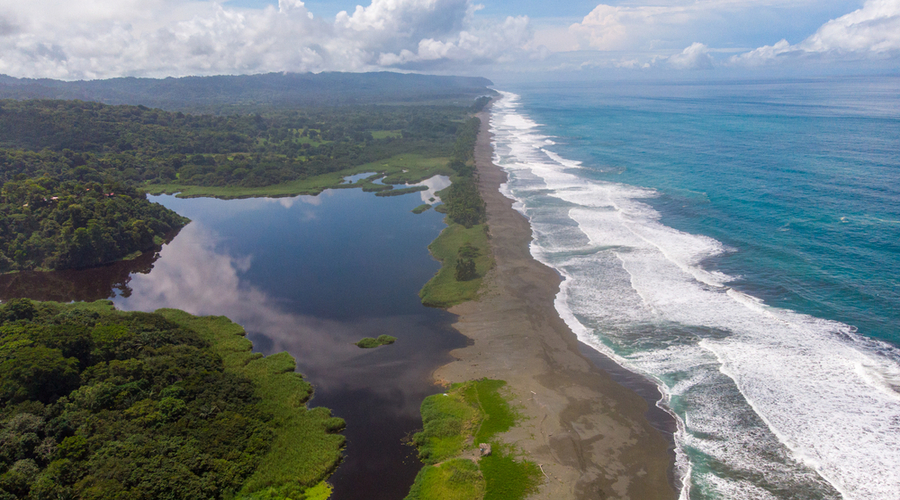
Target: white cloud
<point>640,34</point>
<point>104,38</point>
<point>493,43</point>
<point>872,31</point>
<point>663,25</point>
<point>694,57</point>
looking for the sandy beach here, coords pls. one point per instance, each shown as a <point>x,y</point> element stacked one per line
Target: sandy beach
<point>588,433</point>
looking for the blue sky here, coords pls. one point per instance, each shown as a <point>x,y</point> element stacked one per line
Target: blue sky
<point>89,39</point>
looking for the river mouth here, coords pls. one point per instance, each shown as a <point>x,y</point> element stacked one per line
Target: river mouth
<point>309,275</point>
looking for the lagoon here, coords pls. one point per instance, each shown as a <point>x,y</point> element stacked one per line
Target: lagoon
<point>308,275</point>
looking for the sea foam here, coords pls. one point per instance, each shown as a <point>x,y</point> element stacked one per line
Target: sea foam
<point>771,403</point>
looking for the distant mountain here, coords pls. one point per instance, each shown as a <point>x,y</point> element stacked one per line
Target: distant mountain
<point>222,94</point>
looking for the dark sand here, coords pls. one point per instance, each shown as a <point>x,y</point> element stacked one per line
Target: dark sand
<point>589,434</point>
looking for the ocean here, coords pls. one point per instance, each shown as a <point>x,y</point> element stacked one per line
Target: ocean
<point>738,243</point>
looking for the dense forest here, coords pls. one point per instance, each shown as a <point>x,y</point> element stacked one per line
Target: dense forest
<point>96,403</point>
<point>49,224</point>
<point>464,203</point>
<point>86,141</point>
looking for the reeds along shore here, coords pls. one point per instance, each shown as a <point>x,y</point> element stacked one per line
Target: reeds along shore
<point>588,433</point>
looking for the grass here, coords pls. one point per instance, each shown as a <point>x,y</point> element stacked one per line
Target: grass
<point>457,479</point>
<point>400,169</point>
<point>305,450</point>
<point>499,415</point>
<point>421,208</point>
<point>507,478</point>
<point>402,191</point>
<point>385,134</point>
<point>369,342</point>
<point>468,414</point>
<point>444,290</point>
<point>448,421</point>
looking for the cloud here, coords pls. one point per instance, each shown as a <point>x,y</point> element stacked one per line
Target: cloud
<point>105,38</point>
<point>688,34</point>
<point>663,25</point>
<point>871,32</point>
<point>494,43</point>
<point>610,27</point>
<point>694,57</point>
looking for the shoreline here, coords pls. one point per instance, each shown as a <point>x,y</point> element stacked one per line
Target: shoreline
<point>590,435</point>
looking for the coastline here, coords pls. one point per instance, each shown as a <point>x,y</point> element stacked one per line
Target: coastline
<point>589,434</point>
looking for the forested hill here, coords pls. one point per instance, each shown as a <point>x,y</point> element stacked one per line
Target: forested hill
<point>227,94</point>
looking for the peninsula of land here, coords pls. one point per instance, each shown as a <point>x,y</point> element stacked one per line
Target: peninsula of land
<point>587,433</point>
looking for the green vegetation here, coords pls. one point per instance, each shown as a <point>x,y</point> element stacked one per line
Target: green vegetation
<point>463,247</point>
<point>456,479</point>
<point>75,140</point>
<point>96,403</point>
<point>47,224</point>
<point>61,160</point>
<point>445,289</point>
<point>369,342</point>
<point>507,478</point>
<point>401,191</point>
<point>457,421</point>
<point>400,169</point>
<point>480,103</point>
<point>421,208</point>
<point>387,134</point>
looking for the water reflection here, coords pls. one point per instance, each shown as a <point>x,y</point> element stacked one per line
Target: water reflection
<point>435,184</point>
<point>77,284</point>
<point>195,274</point>
<point>311,275</point>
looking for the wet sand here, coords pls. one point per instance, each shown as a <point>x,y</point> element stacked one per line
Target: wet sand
<point>590,434</point>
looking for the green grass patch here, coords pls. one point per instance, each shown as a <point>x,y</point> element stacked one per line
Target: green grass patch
<point>400,169</point>
<point>457,479</point>
<point>468,414</point>
<point>448,421</point>
<point>421,208</point>
<point>444,289</point>
<point>499,416</point>
<point>507,478</point>
<point>402,191</point>
<point>369,342</point>
<point>305,449</point>
<point>386,134</point>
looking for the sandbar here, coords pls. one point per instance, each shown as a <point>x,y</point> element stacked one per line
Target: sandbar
<point>589,434</point>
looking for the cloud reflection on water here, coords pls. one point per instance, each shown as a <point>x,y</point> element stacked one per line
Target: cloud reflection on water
<point>196,274</point>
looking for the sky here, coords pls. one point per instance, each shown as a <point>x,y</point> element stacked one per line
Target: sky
<point>499,39</point>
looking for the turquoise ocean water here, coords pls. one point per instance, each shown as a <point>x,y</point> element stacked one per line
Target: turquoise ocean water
<point>739,244</point>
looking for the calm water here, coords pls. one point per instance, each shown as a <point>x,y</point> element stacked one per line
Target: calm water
<point>307,275</point>
<point>739,243</point>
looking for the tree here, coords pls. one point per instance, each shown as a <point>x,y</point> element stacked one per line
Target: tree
<point>465,270</point>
